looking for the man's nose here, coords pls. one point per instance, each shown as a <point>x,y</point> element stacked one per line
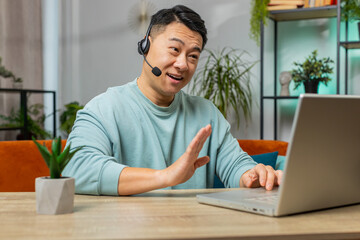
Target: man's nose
<point>181,63</point>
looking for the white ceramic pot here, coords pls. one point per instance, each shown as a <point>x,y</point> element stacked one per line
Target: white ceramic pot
<point>54,196</point>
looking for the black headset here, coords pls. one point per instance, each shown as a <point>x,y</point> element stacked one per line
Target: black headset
<point>144,44</point>
<point>143,48</point>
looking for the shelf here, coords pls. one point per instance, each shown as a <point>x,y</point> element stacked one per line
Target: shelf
<point>351,45</point>
<point>333,11</point>
<point>25,90</point>
<point>23,105</point>
<point>10,128</point>
<point>281,97</point>
<point>304,13</point>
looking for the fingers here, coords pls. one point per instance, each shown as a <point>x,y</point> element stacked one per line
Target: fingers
<point>279,175</point>
<point>250,179</point>
<point>204,134</point>
<point>184,167</point>
<point>201,161</point>
<point>198,141</point>
<point>270,178</point>
<point>264,176</point>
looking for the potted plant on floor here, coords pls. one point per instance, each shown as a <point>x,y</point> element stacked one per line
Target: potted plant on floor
<point>311,72</point>
<point>225,80</point>
<point>55,194</point>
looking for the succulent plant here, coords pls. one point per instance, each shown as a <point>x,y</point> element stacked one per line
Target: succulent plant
<point>57,159</point>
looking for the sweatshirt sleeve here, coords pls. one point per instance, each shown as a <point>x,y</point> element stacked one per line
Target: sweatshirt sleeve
<point>232,161</point>
<point>94,168</point>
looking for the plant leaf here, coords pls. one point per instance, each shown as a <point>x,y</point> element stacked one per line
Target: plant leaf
<point>62,158</point>
<point>225,80</point>
<point>56,146</point>
<point>68,156</point>
<point>44,152</point>
<point>54,167</point>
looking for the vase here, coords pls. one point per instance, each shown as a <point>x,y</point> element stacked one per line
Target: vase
<point>54,195</point>
<point>311,86</point>
<point>285,79</point>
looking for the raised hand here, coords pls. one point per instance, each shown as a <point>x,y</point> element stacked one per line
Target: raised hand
<point>184,168</point>
<point>139,180</point>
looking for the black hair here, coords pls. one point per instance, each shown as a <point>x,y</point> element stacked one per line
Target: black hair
<point>183,14</point>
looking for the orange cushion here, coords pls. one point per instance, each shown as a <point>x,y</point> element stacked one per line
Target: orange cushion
<point>21,161</point>
<point>20,164</point>
<point>253,147</point>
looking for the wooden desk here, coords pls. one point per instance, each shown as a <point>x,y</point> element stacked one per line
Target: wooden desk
<point>173,214</point>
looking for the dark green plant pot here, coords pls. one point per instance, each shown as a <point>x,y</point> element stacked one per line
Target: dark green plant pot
<point>311,86</point>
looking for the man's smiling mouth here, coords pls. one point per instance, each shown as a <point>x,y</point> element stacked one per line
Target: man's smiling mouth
<point>177,78</point>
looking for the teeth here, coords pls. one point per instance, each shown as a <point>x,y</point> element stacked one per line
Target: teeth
<point>177,78</point>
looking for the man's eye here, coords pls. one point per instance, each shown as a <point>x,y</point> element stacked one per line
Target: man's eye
<point>175,49</point>
<point>194,56</point>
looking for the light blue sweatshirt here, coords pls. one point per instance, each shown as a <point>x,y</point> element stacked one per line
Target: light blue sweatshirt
<point>122,127</point>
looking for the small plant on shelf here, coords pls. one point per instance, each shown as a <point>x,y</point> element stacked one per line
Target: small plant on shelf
<point>311,72</point>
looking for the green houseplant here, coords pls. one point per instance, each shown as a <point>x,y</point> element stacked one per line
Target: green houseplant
<point>35,121</point>
<point>55,194</point>
<point>259,13</point>
<point>225,80</point>
<point>67,117</point>
<point>311,72</point>
<point>350,11</point>
<point>5,73</point>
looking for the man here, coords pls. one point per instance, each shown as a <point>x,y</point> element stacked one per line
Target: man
<point>148,134</point>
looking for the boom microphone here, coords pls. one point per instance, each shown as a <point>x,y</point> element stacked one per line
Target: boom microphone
<point>155,70</point>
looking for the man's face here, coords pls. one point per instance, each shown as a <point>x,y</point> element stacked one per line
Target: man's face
<point>176,52</point>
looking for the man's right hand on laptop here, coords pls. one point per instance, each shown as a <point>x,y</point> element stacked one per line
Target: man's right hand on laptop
<point>261,176</point>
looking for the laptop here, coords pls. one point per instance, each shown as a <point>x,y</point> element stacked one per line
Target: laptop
<point>322,169</point>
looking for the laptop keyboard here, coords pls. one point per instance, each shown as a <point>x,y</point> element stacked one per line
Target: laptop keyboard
<point>271,199</point>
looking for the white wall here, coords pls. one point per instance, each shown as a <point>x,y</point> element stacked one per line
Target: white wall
<point>99,50</point>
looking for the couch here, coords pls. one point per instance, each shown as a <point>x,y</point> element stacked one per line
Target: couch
<point>21,162</point>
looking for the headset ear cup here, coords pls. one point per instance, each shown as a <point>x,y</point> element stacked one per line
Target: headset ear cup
<point>140,50</point>
<point>143,46</point>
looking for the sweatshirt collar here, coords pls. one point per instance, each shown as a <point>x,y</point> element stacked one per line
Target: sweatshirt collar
<point>155,108</point>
